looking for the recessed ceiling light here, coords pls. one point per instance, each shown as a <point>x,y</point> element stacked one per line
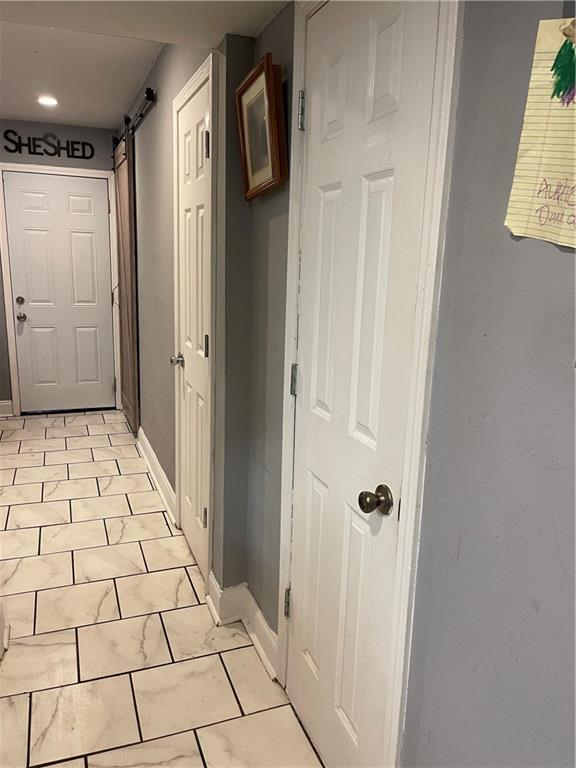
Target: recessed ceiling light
<point>47,101</point>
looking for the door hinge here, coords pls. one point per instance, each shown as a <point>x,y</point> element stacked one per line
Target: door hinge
<point>293,378</point>
<point>205,517</point>
<point>109,208</point>
<point>207,144</point>
<point>112,296</point>
<point>301,110</point>
<point>287,593</point>
<point>206,345</point>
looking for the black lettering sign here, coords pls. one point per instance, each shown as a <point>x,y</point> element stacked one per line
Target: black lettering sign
<point>49,145</point>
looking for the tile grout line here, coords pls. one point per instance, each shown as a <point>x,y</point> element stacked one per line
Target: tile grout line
<point>29,734</point>
<point>166,637</point>
<point>135,707</point>
<point>231,683</point>
<point>77,654</point>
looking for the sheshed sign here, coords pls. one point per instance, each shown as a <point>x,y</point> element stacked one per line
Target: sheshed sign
<point>47,145</point>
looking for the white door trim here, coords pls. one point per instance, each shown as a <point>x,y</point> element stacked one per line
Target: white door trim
<point>208,70</point>
<point>431,256</point>
<point>7,279</point>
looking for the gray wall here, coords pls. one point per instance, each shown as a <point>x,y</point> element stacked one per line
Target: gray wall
<point>102,160</point>
<point>154,210</point>
<point>491,676</point>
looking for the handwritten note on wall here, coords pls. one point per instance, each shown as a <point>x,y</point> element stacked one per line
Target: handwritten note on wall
<point>543,197</point>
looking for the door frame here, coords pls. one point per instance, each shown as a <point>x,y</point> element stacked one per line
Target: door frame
<point>208,70</point>
<point>54,170</point>
<point>440,146</point>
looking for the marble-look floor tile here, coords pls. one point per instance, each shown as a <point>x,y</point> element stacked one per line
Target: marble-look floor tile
<point>171,524</point>
<point>99,507</point>
<point>41,513</point>
<point>31,573</point>
<point>147,501</point>
<point>79,763</point>
<point>60,538</point>
<point>94,469</point>
<point>178,751</point>
<point>167,553</point>
<point>41,661</point>
<point>14,731</point>
<point>33,422</point>
<point>152,592</point>
<point>19,613</point>
<point>41,474</point>
<point>181,696</point>
<point>125,484</point>
<point>122,646</point>
<point>20,494</point>
<point>192,633</point>
<point>114,418</point>
<point>197,582</point>
<point>7,476</point>
<point>270,739</point>
<point>107,429</point>
<point>70,489</point>
<point>19,543</point>
<point>132,466</point>
<point>83,419</point>
<point>43,446</point>
<point>76,719</point>
<point>76,606</point>
<point>13,423</point>
<point>116,452</point>
<point>98,441</point>
<point>69,457</point>
<point>10,435</point>
<point>108,562</point>
<point>136,527</point>
<point>66,432</point>
<point>123,439</point>
<point>253,685</point>
<point>11,448</point>
<point>13,460</point>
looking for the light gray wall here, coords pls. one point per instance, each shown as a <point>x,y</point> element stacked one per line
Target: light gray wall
<point>102,160</point>
<point>491,676</point>
<point>155,243</point>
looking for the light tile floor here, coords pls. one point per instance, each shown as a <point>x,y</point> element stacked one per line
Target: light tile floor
<point>114,659</point>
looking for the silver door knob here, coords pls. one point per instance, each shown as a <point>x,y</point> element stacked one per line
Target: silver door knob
<point>381,500</point>
<point>177,359</point>
<point>21,317</point>
<point>20,299</point>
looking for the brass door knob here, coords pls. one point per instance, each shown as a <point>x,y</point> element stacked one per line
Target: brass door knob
<point>381,500</point>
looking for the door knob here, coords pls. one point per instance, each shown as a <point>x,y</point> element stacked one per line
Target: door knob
<point>381,500</point>
<point>20,299</point>
<point>177,359</point>
<point>21,317</point>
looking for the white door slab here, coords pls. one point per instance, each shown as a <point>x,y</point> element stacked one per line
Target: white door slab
<point>369,86</point>
<point>192,113</point>
<point>59,248</point>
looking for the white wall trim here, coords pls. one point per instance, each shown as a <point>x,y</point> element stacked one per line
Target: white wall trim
<point>7,278</point>
<point>158,475</point>
<point>238,604</point>
<point>6,408</point>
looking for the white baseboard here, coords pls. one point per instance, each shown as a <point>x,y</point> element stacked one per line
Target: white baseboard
<point>238,604</point>
<point>6,408</point>
<point>158,475</point>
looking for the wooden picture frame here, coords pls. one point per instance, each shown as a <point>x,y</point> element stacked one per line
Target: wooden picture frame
<point>260,107</point>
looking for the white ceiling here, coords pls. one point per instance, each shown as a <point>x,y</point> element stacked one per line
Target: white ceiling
<point>201,23</point>
<point>94,56</point>
<point>94,77</point>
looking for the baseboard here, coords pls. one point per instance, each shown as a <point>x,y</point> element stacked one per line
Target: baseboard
<point>6,408</point>
<point>158,475</point>
<point>238,604</point>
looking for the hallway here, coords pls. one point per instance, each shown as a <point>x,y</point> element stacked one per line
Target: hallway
<point>114,658</point>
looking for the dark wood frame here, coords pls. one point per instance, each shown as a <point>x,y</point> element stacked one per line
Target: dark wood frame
<point>276,125</point>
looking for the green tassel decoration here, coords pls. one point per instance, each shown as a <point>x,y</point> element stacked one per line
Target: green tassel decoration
<point>564,70</point>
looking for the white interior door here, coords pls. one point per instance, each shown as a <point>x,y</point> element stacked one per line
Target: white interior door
<point>369,83</point>
<point>193,399</point>
<point>59,247</point>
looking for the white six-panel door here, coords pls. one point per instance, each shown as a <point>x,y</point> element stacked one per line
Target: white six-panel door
<point>369,84</point>
<point>193,389</point>
<point>59,248</point>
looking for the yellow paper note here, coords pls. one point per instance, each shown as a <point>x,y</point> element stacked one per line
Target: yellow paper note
<point>543,197</point>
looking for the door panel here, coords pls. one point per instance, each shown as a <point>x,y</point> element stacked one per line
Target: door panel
<point>127,281</point>
<point>369,80</point>
<point>194,322</point>
<point>59,247</point>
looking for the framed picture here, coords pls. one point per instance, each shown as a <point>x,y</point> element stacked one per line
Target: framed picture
<point>262,130</point>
